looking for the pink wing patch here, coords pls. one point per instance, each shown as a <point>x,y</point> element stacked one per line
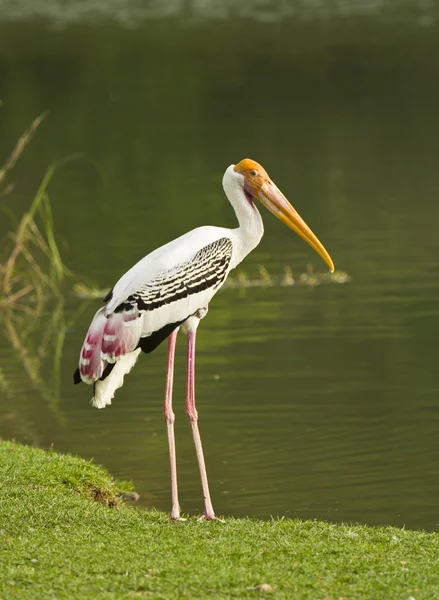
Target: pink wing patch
<point>107,339</point>
<point>121,335</point>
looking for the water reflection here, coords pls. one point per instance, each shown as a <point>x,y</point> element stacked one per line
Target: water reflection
<point>33,343</point>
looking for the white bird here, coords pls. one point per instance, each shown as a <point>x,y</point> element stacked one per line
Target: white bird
<point>170,289</point>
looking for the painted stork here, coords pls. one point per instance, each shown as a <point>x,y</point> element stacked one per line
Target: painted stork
<point>170,289</point>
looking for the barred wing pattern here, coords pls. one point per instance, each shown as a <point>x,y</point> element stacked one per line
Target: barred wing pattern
<point>207,269</point>
<point>148,316</point>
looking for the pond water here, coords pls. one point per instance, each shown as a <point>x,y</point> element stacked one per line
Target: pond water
<point>314,402</point>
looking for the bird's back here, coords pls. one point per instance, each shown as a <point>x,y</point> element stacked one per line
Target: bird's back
<point>162,261</point>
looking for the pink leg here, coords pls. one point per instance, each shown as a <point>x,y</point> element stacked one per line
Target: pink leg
<point>170,418</point>
<point>192,414</point>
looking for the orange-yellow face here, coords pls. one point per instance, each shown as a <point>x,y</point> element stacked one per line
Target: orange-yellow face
<point>255,175</point>
<point>257,184</point>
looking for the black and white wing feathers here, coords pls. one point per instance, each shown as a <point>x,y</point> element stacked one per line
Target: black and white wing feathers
<point>148,315</point>
<point>205,272</point>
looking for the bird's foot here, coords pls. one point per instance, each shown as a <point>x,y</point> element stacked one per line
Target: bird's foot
<point>176,518</point>
<point>210,517</point>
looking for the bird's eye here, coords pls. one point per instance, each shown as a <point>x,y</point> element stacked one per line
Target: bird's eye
<point>253,173</point>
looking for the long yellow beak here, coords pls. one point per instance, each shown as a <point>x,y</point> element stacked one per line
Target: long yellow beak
<point>273,199</point>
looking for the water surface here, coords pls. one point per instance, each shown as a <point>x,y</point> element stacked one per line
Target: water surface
<point>313,403</point>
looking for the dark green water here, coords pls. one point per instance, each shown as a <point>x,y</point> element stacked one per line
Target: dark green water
<point>313,403</point>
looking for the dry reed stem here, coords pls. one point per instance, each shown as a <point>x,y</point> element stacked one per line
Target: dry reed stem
<point>12,298</point>
<point>18,150</point>
<point>29,363</point>
<point>9,266</point>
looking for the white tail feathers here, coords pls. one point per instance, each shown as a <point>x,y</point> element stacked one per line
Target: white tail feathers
<point>105,390</point>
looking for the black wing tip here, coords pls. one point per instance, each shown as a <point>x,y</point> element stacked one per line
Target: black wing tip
<point>108,296</point>
<point>107,370</point>
<point>77,376</point>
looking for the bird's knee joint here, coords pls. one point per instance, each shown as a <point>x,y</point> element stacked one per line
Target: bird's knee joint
<point>169,417</point>
<point>192,415</point>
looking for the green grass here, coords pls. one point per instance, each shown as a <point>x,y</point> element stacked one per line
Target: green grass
<point>65,534</point>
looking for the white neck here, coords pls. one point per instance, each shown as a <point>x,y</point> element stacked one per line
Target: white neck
<point>251,228</point>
